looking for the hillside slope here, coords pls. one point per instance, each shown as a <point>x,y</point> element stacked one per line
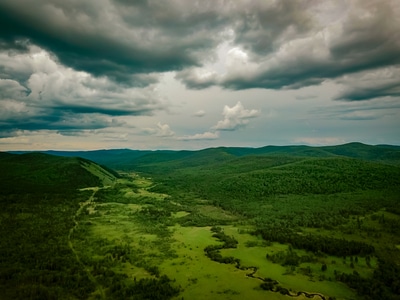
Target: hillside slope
<point>39,200</point>
<point>126,159</point>
<point>38,172</point>
<point>256,177</point>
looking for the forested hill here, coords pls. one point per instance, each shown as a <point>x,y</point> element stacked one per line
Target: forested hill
<point>380,153</point>
<point>38,172</point>
<point>39,200</point>
<point>130,159</point>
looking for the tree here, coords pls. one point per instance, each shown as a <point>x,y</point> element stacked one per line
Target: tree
<point>368,260</point>
<point>324,267</point>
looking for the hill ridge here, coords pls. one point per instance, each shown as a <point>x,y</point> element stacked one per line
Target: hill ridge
<point>38,172</point>
<point>127,158</point>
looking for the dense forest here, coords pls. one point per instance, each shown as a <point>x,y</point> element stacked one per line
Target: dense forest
<point>296,192</point>
<point>39,197</point>
<point>74,229</point>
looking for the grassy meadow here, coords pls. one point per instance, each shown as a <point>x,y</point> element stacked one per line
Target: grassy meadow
<point>226,223</point>
<point>114,235</point>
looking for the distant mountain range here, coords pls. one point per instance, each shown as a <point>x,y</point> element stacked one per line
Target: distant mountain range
<point>130,159</point>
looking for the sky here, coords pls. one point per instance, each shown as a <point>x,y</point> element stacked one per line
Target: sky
<point>180,74</point>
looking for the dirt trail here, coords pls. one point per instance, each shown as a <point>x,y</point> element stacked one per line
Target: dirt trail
<point>99,288</point>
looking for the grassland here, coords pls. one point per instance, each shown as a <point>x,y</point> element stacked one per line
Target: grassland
<point>115,236</point>
<point>214,224</point>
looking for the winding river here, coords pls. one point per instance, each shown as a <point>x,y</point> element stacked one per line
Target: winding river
<point>274,284</point>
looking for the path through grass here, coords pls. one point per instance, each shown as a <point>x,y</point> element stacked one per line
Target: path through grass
<point>99,289</point>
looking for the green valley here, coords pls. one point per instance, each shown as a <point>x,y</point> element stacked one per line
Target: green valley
<point>290,222</point>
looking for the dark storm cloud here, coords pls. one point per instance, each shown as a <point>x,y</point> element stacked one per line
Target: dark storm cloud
<point>391,89</point>
<point>22,115</point>
<point>45,95</point>
<point>370,36</point>
<point>294,50</point>
<point>57,120</point>
<point>122,38</point>
<point>116,39</point>
<point>104,110</point>
<point>384,82</point>
<point>261,25</point>
<point>274,44</point>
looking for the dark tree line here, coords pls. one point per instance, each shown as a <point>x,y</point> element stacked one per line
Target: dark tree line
<point>314,243</point>
<point>384,284</point>
<point>145,288</point>
<point>212,251</point>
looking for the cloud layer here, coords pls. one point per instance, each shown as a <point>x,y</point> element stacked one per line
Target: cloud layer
<point>234,118</point>
<point>359,36</point>
<point>274,44</point>
<point>117,39</point>
<point>38,93</point>
<point>76,68</point>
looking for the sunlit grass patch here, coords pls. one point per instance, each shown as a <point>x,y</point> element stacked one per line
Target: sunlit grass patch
<point>142,221</point>
<point>287,277</point>
<point>180,214</point>
<point>131,271</point>
<point>105,177</point>
<point>202,278</point>
<point>142,182</point>
<point>215,212</point>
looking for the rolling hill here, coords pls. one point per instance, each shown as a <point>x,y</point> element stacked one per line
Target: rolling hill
<point>126,159</point>
<point>40,204</point>
<point>38,172</point>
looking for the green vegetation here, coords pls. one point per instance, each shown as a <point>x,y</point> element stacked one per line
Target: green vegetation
<point>225,223</point>
<point>39,173</point>
<point>328,205</point>
<point>39,198</point>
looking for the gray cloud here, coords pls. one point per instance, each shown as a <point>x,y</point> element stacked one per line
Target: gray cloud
<point>360,116</point>
<point>235,117</point>
<point>383,82</point>
<point>193,80</point>
<point>160,130</point>
<point>117,39</point>
<point>76,67</point>
<point>200,113</point>
<point>50,119</point>
<point>288,44</point>
<point>260,26</point>
<point>52,96</point>
<point>367,37</point>
<point>208,135</point>
<point>375,109</point>
<point>305,97</point>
